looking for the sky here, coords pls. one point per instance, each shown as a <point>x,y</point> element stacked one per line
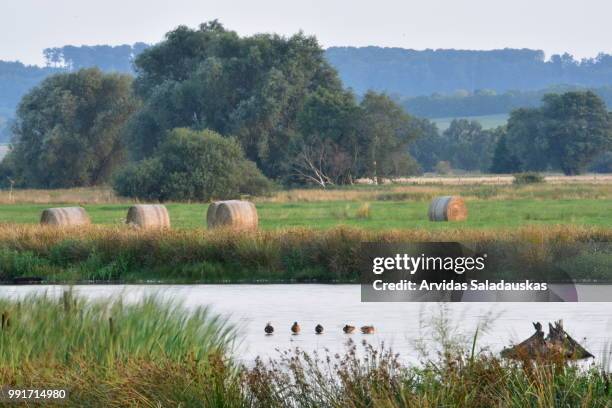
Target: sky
<point>580,27</point>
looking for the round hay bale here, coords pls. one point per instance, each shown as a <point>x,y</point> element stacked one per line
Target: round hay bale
<point>448,208</point>
<point>233,214</point>
<point>148,216</point>
<point>65,216</point>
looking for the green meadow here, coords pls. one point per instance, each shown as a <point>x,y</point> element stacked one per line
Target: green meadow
<point>376,215</point>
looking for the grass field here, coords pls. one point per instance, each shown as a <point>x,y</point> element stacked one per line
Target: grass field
<point>305,235</point>
<point>390,206</point>
<point>381,214</point>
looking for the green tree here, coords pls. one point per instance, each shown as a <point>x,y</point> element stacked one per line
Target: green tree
<point>527,138</point>
<point>192,165</point>
<point>68,130</point>
<point>578,128</point>
<point>467,146</point>
<point>568,132</point>
<point>427,149</point>
<point>602,163</point>
<point>326,148</point>
<point>504,160</point>
<point>251,87</point>
<point>385,131</point>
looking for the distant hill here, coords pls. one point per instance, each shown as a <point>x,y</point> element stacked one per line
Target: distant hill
<point>407,72</point>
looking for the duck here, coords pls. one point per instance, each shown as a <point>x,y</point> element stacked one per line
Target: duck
<point>348,329</point>
<point>295,328</point>
<point>269,329</point>
<point>368,329</point>
<point>319,329</point>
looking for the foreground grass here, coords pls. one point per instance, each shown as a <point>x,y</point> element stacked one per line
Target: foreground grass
<point>158,354</point>
<point>109,353</point>
<point>290,255</point>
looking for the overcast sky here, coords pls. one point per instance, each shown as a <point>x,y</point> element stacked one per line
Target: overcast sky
<point>580,27</point>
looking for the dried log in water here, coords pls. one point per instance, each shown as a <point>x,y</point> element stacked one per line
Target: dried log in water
<point>557,344</point>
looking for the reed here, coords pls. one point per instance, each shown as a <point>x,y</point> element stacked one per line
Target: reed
<point>115,353</point>
<point>155,353</point>
<point>47,331</point>
<point>298,254</point>
<point>377,377</point>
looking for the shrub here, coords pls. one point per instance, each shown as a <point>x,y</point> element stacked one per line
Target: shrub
<point>528,178</point>
<point>140,180</point>
<point>602,164</point>
<point>443,167</point>
<point>192,165</point>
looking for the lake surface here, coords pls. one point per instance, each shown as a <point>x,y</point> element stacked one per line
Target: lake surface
<point>397,324</point>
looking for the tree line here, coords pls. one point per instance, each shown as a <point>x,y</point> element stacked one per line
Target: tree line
<point>211,114</point>
<point>482,102</point>
<point>108,58</point>
<point>569,132</point>
<point>208,114</point>
<point>409,73</point>
<point>428,83</point>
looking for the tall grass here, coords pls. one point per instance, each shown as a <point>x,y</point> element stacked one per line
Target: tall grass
<point>46,330</point>
<point>421,189</point>
<point>112,353</point>
<point>156,354</point>
<point>121,254</point>
<point>376,377</point>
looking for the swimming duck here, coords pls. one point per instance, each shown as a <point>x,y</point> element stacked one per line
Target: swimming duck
<point>295,328</point>
<point>319,329</point>
<point>367,329</point>
<point>348,329</point>
<point>269,329</point>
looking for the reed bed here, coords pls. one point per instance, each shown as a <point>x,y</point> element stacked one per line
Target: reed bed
<point>159,354</point>
<point>46,330</point>
<point>111,353</point>
<point>100,253</point>
<point>377,377</point>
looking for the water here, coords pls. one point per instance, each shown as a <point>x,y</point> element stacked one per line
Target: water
<point>249,307</point>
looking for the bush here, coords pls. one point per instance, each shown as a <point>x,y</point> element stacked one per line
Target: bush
<point>528,178</point>
<point>8,177</point>
<point>140,180</point>
<point>443,167</point>
<point>192,165</point>
<point>602,164</point>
